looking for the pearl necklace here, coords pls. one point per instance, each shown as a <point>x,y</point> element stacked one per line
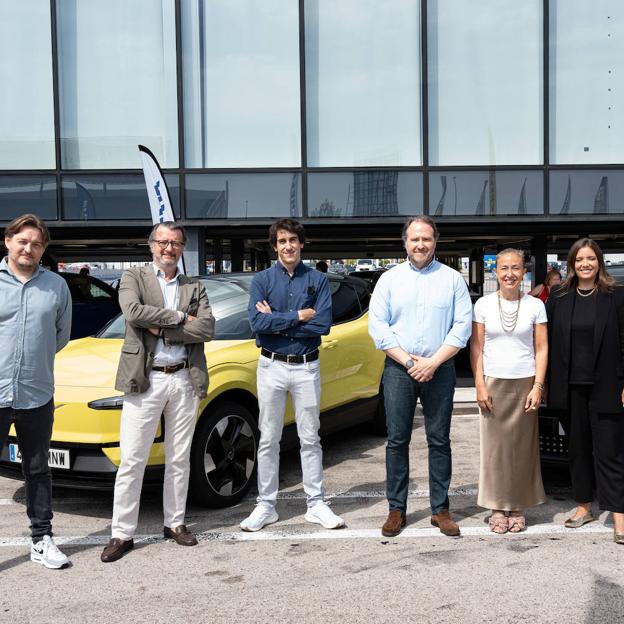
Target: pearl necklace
<point>586,294</point>
<point>508,320</point>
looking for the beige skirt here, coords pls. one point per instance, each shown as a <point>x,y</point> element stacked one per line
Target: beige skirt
<point>510,477</point>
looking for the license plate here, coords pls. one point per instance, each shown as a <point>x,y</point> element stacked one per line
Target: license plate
<point>57,458</point>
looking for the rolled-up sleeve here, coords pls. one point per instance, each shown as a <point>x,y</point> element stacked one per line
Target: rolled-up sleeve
<point>460,331</point>
<point>379,315</point>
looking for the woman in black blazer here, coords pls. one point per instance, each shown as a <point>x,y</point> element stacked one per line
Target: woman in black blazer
<point>586,378</point>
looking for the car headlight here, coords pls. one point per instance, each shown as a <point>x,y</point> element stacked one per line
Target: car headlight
<point>108,403</point>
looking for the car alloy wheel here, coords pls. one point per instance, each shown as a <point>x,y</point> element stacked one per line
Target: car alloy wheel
<point>224,455</point>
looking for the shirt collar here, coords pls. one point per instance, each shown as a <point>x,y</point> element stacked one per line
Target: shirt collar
<point>161,273</point>
<point>4,266</point>
<point>426,269</point>
<point>299,269</point>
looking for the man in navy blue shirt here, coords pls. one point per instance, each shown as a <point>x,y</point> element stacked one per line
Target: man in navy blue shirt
<point>289,311</point>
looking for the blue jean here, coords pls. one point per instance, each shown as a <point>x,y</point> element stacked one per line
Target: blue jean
<point>34,430</point>
<point>401,394</point>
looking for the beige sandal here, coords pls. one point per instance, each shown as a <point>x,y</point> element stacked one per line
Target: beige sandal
<point>517,523</point>
<point>498,523</point>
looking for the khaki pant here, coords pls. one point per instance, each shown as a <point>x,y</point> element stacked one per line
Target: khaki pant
<point>170,395</point>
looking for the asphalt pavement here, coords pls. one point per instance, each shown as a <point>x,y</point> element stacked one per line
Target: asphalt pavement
<point>294,571</point>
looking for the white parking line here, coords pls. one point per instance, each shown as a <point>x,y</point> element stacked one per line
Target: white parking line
<point>340,534</point>
<point>275,535</point>
<point>418,493</point>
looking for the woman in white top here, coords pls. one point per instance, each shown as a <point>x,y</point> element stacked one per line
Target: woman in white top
<point>509,355</point>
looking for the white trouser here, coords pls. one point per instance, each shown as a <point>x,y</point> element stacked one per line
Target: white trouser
<point>171,395</point>
<point>303,381</point>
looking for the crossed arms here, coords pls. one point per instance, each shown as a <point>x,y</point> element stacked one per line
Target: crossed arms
<point>171,325</point>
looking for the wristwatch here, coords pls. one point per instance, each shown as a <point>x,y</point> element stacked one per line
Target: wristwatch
<point>409,363</point>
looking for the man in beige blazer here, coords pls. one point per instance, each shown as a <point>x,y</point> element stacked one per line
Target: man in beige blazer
<point>162,371</point>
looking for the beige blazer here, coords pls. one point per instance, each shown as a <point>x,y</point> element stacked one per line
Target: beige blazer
<point>142,304</point>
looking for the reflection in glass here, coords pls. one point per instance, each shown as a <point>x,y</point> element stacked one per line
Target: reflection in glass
<point>112,197</point>
<point>485,82</point>
<point>364,194</point>
<point>22,194</point>
<point>117,82</point>
<point>26,109</point>
<point>586,94</point>
<point>243,195</point>
<point>241,83</point>
<point>484,193</point>
<point>363,82</point>
<point>586,192</point>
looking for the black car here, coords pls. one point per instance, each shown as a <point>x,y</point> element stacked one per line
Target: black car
<point>94,303</point>
<point>372,277</point>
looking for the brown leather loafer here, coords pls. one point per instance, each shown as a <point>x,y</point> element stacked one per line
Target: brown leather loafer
<point>393,524</point>
<point>445,523</point>
<point>116,549</point>
<point>181,535</point>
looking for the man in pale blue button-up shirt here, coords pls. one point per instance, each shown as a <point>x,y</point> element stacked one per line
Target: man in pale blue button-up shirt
<point>420,315</point>
<point>35,323</point>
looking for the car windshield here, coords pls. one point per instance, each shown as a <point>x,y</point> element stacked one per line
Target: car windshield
<point>228,298</point>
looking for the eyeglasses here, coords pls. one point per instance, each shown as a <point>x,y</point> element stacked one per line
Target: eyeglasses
<point>164,243</point>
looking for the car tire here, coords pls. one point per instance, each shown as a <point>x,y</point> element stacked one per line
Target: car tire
<point>224,455</point>
<point>378,422</point>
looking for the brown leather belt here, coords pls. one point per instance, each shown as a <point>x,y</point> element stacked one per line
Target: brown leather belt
<point>174,368</point>
<point>291,359</point>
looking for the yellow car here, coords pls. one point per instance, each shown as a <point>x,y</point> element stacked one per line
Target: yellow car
<point>85,440</point>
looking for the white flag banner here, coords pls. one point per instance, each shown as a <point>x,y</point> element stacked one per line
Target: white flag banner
<point>157,192</point>
<point>160,204</point>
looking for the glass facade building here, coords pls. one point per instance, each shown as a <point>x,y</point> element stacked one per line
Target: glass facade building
<point>324,110</point>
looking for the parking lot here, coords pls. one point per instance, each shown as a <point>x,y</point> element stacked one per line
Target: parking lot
<point>297,572</point>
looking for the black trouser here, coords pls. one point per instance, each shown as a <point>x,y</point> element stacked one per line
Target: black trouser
<point>34,430</point>
<point>596,452</point>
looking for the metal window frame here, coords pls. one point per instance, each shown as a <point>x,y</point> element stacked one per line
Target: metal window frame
<point>304,169</point>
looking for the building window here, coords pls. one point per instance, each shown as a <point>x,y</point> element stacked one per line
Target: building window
<point>485,193</point>
<point>20,194</point>
<point>485,82</point>
<point>586,192</point>
<point>586,94</point>
<point>365,194</point>
<point>241,83</point>
<point>242,195</point>
<point>110,197</point>
<point>363,83</point>
<point>117,82</point>
<point>27,104</point>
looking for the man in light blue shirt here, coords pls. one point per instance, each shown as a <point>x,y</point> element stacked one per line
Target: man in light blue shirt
<point>35,323</point>
<point>420,315</point>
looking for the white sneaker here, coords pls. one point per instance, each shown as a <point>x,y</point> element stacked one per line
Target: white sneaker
<point>259,517</point>
<point>323,515</point>
<point>46,553</point>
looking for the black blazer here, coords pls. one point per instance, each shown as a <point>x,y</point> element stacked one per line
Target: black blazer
<point>606,395</point>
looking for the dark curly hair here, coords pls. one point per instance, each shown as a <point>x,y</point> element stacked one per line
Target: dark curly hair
<point>290,225</point>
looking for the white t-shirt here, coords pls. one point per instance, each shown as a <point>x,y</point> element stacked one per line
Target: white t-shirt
<point>509,355</point>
